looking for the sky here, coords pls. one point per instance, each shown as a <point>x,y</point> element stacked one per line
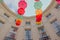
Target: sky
<point>30,10</point>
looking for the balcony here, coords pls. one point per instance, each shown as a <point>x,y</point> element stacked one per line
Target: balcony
<point>28,39</point>
<point>8,38</point>
<point>45,38</point>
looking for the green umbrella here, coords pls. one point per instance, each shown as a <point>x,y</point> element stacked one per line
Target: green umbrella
<point>38,5</point>
<point>1,0</point>
<point>19,16</point>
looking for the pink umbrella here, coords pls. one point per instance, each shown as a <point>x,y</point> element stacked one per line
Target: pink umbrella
<point>22,4</point>
<point>22,0</point>
<point>58,1</point>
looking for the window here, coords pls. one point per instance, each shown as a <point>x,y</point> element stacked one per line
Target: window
<point>6,15</point>
<point>14,29</point>
<point>41,30</point>
<point>43,35</point>
<point>28,23</point>
<point>56,25</point>
<point>49,15</point>
<point>11,34</point>
<point>57,6</point>
<point>53,21</point>
<point>28,34</point>
<point>1,23</point>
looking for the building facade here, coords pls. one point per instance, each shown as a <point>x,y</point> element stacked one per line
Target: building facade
<point>28,30</point>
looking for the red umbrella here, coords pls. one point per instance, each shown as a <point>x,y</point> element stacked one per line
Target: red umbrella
<point>18,22</point>
<point>58,1</point>
<point>22,4</point>
<point>38,18</point>
<point>21,11</point>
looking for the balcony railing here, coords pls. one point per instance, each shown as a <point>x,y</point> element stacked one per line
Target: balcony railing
<point>9,38</point>
<point>45,38</point>
<point>27,39</point>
